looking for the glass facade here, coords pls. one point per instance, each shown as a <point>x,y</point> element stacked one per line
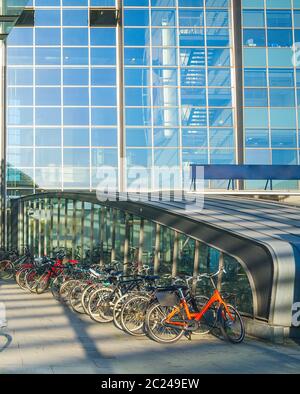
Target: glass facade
<point>65,117</point>
<point>271,35</point>
<point>157,90</point>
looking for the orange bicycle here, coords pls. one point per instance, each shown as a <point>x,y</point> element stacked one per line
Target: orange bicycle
<point>178,312</point>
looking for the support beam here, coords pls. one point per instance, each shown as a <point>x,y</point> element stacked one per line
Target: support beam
<point>238,82</point>
<point>120,76</point>
<point>221,267</point>
<point>113,235</point>
<point>196,266</point>
<point>3,218</point>
<point>157,249</point>
<point>126,244</point>
<point>175,255</point>
<point>141,243</point>
<point>103,212</point>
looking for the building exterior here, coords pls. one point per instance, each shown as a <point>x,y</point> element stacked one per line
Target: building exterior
<point>164,83</point>
<point>105,89</point>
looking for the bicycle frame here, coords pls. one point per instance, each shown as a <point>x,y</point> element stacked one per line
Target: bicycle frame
<point>215,298</point>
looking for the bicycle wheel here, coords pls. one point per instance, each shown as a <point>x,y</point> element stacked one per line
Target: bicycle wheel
<point>133,315</point>
<point>20,278</point>
<point>85,297</point>
<point>66,288</point>
<point>43,283</point>
<point>6,269</point>
<point>156,327</point>
<point>55,286</point>
<point>118,309</point>
<point>231,324</point>
<point>209,319</point>
<point>31,280</point>
<point>75,298</point>
<point>101,305</point>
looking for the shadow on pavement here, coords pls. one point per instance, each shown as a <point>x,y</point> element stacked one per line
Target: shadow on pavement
<point>7,339</point>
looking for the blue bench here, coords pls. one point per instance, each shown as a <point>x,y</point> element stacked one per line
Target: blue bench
<point>245,172</point>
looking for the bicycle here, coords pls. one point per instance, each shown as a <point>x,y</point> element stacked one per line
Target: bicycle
<point>177,313</point>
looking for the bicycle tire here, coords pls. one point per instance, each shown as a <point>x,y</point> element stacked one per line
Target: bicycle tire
<point>75,298</point>
<point>55,286</point>
<point>66,288</point>
<point>118,309</point>
<point>6,270</point>
<point>31,279</point>
<point>154,318</point>
<point>209,320</point>
<point>232,330</point>
<point>86,296</point>
<point>99,306</point>
<point>20,278</point>
<point>43,283</point>
<point>133,315</point>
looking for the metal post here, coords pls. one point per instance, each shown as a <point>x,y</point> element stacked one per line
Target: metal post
<point>58,222</point>
<point>113,235</point>
<point>120,65</point>
<point>51,224</point>
<point>39,226</point>
<point>66,223</point>
<point>3,196</point>
<point>196,266</point>
<point>82,217</point>
<point>20,226</point>
<point>126,243</point>
<point>157,249</point>
<point>103,211</point>
<point>175,255</point>
<point>221,267</point>
<point>35,228</point>
<point>141,243</point>
<point>25,218</point>
<point>74,228</point>
<point>92,232</point>
<point>46,202</point>
<point>238,82</point>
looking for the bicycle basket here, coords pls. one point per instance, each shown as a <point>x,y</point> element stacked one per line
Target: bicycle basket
<point>167,298</point>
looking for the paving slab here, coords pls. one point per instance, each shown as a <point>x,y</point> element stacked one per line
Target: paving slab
<point>48,338</point>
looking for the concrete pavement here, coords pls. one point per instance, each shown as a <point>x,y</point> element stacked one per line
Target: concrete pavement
<point>47,337</point>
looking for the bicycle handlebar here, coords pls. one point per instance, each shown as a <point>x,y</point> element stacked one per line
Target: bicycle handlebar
<point>209,276</point>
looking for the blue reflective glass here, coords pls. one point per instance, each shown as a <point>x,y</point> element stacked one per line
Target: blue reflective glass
<point>256,97</point>
<point>104,76</point>
<point>255,77</point>
<point>282,97</point>
<point>284,139</point>
<point>76,76</point>
<point>257,138</point>
<point>194,137</point>
<point>75,17</point>
<point>76,137</point>
<point>47,36</point>
<point>75,37</point>
<point>280,38</point>
<point>76,96</point>
<point>19,76</point>
<point>138,137</point>
<point>48,96</point>
<point>47,76</point>
<point>254,37</point>
<point>104,137</point>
